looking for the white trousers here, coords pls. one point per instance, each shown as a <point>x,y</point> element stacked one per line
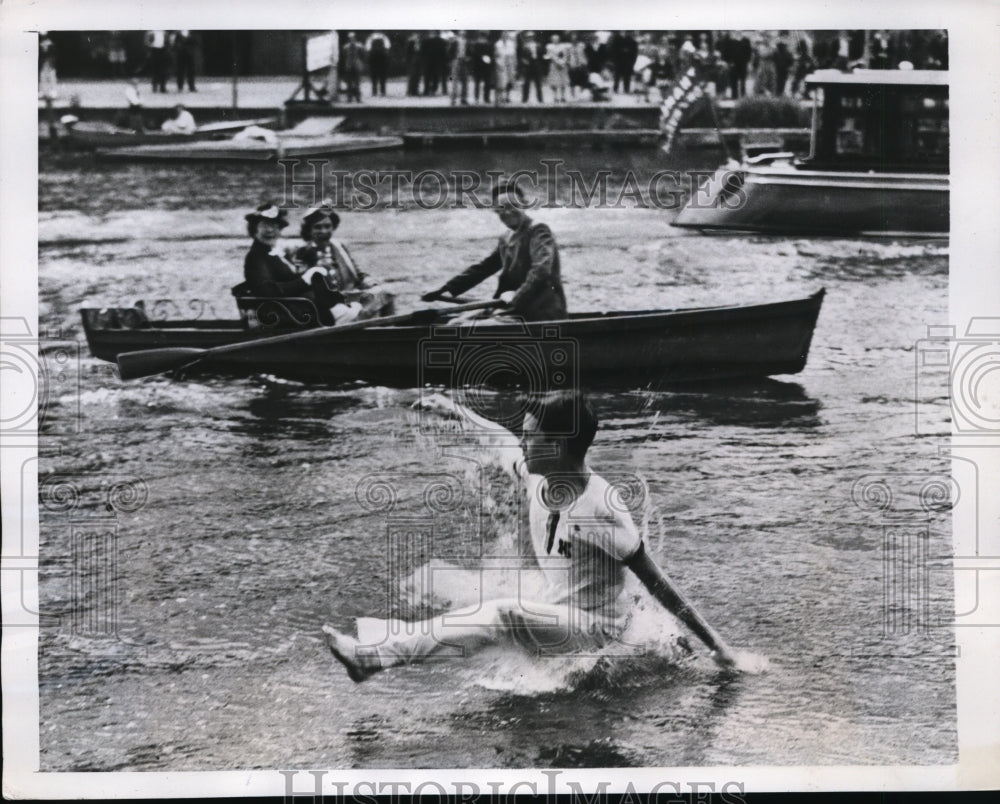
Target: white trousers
<point>542,629</point>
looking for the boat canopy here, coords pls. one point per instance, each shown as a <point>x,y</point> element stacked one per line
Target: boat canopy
<point>888,121</point>
<point>922,78</point>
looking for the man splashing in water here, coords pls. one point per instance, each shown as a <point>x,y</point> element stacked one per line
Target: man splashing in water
<point>583,545</point>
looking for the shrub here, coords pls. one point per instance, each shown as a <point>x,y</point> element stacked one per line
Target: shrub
<point>765,112</point>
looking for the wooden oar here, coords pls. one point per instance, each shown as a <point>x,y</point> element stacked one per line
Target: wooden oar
<point>662,588</point>
<point>145,363</point>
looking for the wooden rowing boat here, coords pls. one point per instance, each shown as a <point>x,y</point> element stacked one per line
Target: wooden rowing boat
<point>253,150</point>
<point>106,135</point>
<point>603,349</point>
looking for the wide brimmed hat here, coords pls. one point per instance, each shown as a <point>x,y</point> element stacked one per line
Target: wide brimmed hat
<point>269,212</point>
<point>324,211</point>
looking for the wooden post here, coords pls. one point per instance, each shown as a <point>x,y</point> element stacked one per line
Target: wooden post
<point>235,70</point>
<point>306,82</point>
<point>50,118</point>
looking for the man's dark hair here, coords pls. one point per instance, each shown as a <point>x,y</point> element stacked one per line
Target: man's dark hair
<point>566,414</point>
<point>509,189</point>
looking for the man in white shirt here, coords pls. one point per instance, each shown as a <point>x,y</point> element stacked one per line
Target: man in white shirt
<point>582,543</point>
<point>181,123</point>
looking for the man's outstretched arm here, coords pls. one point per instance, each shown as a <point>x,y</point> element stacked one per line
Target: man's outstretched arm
<point>661,587</point>
<point>502,446</point>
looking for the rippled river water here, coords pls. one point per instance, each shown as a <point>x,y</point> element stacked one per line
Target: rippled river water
<point>235,529</point>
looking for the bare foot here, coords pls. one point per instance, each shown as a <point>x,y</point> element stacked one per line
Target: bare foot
<point>344,650</point>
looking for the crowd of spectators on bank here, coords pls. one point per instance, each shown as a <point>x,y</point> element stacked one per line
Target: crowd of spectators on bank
<point>549,66</point>
<point>554,67</point>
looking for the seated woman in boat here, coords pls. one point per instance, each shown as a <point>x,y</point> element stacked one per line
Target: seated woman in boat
<point>268,275</point>
<point>324,261</point>
<point>181,123</point>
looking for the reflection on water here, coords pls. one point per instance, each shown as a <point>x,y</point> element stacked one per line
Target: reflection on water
<point>759,403</point>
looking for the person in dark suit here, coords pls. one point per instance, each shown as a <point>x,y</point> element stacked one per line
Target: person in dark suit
<point>414,63</point>
<point>742,53</point>
<point>527,259</point>
<point>184,55</point>
<point>597,55</point>
<point>531,65</point>
<point>783,61</point>
<point>481,56</point>
<point>377,46</point>
<point>435,60</point>
<point>351,65</point>
<point>624,50</point>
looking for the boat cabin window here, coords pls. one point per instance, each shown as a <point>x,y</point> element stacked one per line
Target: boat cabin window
<point>883,128</point>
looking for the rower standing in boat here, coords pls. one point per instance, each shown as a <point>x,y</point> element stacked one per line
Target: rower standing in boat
<point>583,545</point>
<point>269,275</point>
<point>324,259</point>
<point>526,256</point>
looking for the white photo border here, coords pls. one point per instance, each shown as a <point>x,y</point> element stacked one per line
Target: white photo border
<point>974,291</point>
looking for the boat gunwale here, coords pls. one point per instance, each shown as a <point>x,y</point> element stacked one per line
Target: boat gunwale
<point>585,322</point>
<point>794,173</point>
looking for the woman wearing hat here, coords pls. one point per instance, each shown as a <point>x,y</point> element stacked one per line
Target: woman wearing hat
<point>267,273</point>
<point>323,257</point>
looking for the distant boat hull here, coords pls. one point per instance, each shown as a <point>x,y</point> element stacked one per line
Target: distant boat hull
<point>621,350</point>
<point>254,150</point>
<point>643,137</point>
<point>104,135</point>
<point>783,200</point>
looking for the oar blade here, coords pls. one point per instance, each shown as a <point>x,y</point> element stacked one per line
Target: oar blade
<point>146,363</point>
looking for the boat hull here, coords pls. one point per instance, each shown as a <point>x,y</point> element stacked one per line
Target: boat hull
<point>790,201</point>
<point>532,139</point>
<point>253,150</point>
<point>619,350</point>
<point>105,135</point>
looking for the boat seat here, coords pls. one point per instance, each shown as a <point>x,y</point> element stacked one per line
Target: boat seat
<point>119,317</point>
<point>264,312</point>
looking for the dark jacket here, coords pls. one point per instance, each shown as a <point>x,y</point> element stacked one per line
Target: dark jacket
<point>268,274</point>
<point>530,59</point>
<point>351,58</point>
<point>597,57</point>
<point>624,51</point>
<point>481,57</point>
<point>528,260</point>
